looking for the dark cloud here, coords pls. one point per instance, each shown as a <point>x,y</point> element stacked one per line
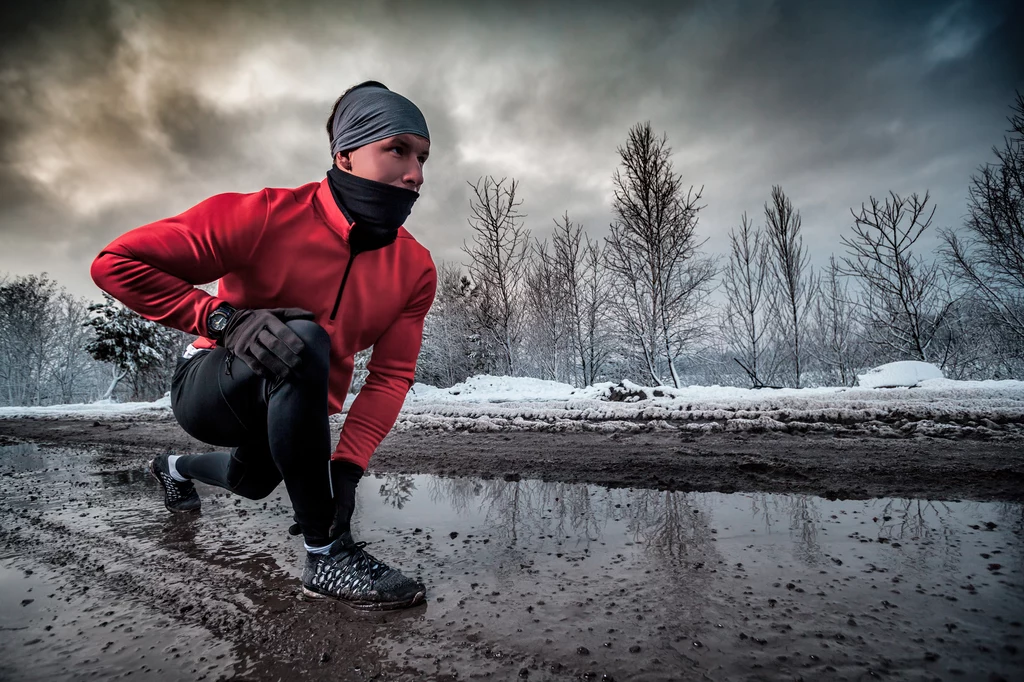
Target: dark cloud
<point>113,114</point>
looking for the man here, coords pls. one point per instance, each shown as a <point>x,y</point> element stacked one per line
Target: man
<point>307,277</point>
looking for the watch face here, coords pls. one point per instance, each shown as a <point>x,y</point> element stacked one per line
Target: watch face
<point>218,321</point>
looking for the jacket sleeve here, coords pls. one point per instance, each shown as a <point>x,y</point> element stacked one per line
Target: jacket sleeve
<point>392,370</point>
<point>153,269</point>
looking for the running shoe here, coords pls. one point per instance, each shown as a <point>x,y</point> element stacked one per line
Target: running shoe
<point>179,496</point>
<point>353,576</point>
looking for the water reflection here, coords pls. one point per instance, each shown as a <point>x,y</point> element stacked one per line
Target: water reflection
<point>686,528</point>
<point>800,513</point>
<point>397,489</point>
<point>672,525</point>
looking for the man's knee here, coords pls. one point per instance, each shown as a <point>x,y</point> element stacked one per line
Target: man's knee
<point>314,337</point>
<point>248,482</point>
<point>256,490</point>
<point>316,347</point>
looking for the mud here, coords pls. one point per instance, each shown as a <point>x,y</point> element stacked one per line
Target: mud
<point>826,466</point>
<point>528,579</point>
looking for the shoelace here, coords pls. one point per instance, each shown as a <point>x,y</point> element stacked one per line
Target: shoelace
<point>359,557</point>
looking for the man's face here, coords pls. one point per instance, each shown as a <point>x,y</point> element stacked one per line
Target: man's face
<point>396,160</point>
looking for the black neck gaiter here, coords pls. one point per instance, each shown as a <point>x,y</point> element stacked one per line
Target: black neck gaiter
<point>376,210</point>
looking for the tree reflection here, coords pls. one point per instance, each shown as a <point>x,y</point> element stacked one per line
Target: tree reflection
<point>674,526</point>
<point>524,510</point>
<point>397,489</point>
<point>456,492</point>
<point>804,520</point>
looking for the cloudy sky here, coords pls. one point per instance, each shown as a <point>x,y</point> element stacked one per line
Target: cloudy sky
<point>114,114</point>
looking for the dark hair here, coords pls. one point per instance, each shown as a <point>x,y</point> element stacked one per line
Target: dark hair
<point>334,109</point>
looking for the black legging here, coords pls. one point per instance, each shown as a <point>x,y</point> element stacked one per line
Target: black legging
<point>278,430</point>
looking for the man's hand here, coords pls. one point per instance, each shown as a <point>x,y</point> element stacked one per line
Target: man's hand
<point>264,342</point>
<point>345,477</point>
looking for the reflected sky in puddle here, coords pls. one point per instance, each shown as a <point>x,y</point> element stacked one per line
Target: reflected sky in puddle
<point>679,528</point>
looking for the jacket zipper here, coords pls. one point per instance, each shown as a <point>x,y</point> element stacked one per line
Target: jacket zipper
<point>344,278</point>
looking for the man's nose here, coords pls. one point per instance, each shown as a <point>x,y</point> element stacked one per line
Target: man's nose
<point>413,177</point>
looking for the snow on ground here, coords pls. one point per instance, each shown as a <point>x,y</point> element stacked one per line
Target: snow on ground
<point>106,409</point>
<point>932,406</point>
<point>926,406</point>
<point>904,373</point>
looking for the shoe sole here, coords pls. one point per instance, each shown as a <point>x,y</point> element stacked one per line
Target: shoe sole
<point>152,472</point>
<point>415,600</point>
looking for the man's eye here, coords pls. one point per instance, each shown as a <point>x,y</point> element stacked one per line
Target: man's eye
<point>397,149</point>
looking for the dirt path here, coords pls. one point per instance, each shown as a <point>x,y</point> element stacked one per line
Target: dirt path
<point>925,467</point>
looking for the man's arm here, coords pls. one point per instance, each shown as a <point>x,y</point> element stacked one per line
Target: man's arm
<point>392,370</point>
<point>153,269</point>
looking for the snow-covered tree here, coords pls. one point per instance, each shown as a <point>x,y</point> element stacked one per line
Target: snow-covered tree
<point>451,350</point>
<point>70,362</point>
<point>130,343</point>
<point>26,326</point>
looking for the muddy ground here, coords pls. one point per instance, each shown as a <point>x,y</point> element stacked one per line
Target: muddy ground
<point>827,466</point>
<point>547,557</point>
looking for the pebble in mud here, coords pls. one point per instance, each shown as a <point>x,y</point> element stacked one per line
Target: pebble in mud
<point>583,651</point>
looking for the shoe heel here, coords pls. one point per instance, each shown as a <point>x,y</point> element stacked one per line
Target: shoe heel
<point>306,592</point>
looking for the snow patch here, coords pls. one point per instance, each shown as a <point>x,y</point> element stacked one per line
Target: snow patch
<point>494,389</point>
<point>101,408</point>
<point>906,373</point>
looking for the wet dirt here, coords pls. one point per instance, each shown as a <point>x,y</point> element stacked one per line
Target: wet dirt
<point>528,579</point>
<point>826,466</point>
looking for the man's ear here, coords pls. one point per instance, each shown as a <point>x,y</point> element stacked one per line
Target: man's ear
<point>343,161</point>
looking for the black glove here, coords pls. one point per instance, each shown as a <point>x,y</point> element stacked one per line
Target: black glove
<point>264,342</point>
<point>344,479</point>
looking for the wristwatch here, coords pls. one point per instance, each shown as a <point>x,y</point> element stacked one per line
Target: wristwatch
<point>217,321</point>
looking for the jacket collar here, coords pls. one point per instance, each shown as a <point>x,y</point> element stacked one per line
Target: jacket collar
<point>330,212</point>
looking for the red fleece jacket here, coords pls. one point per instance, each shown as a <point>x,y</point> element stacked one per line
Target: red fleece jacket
<point>287,248</point>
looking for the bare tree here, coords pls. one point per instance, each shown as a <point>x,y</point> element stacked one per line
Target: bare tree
<point>835,343</point>
<point>26,324</point>
<point>989,258</point>
<point>747,304</point>
<point>548,331</point>
<point>498,259</point>
<point>70,362</point>
<point>792,277</point>
<point>902,305</point>
<point>579,266</point>
<point>661,282</point>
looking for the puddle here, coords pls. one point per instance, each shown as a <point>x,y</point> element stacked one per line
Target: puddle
<point>563,580</point>
<point>696,580</point>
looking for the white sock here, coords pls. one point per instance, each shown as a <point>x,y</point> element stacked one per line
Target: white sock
<point>173,470</point>
<point>317,550</point>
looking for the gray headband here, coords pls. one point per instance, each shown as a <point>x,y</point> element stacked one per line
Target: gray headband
<point>372,112</point>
